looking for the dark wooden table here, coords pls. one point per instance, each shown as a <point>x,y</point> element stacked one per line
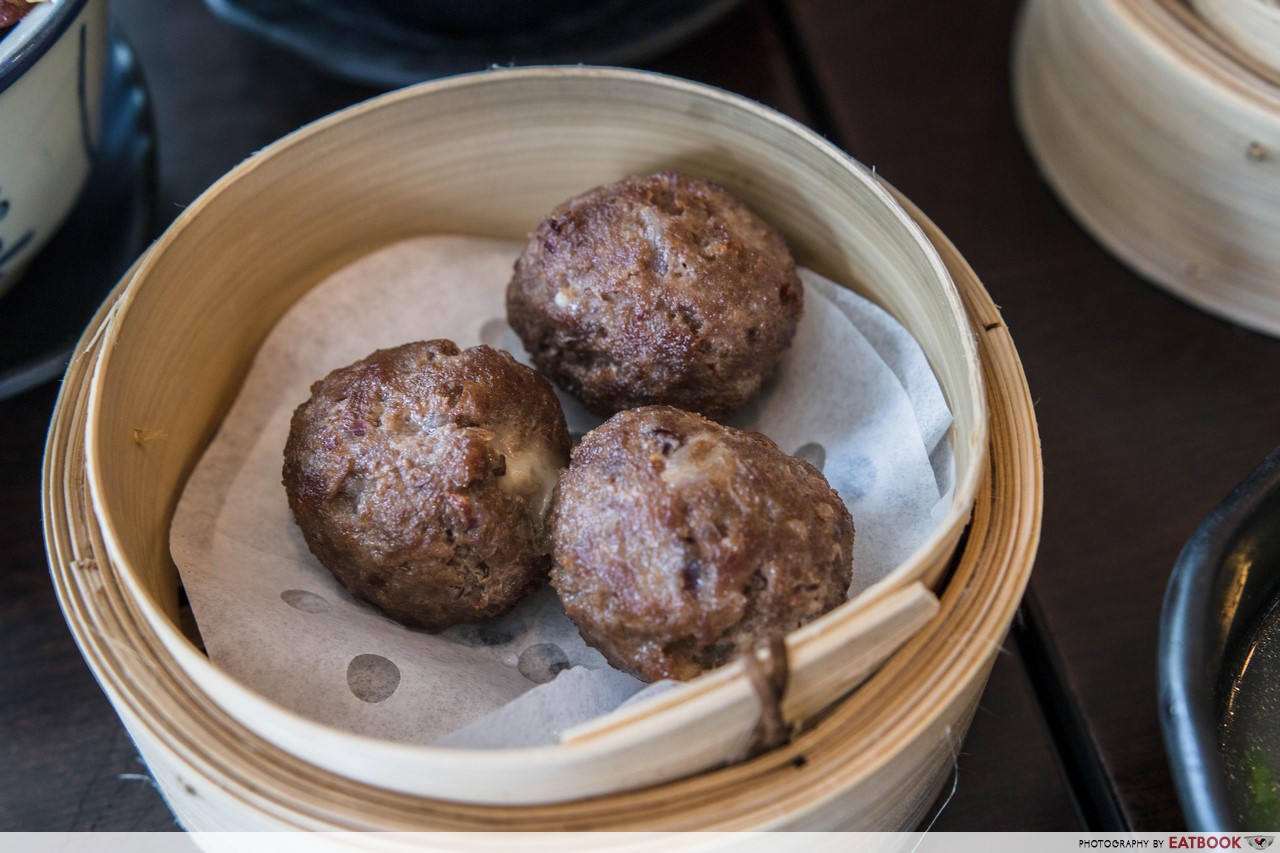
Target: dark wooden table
<point>1150,411</point>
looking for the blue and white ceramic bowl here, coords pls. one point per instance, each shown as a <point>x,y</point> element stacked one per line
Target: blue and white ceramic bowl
<point>51,70</point>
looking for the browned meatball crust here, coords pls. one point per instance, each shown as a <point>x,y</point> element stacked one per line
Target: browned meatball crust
<point>679,543</point>
<point>421,478</point>
<point>658,289</point>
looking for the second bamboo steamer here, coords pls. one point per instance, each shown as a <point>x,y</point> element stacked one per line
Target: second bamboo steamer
<point>1163,139</point>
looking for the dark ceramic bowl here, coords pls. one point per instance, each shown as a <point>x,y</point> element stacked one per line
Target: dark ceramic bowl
<point>1224,583</point>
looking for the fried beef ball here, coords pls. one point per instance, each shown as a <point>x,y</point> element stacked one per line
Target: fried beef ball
<point>660,289</point>
<point>680,543</point>
<point>421,478</point>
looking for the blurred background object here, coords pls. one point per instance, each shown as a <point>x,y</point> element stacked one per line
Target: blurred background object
<point>45,312</point>
<point>76,181</point>
<point>1163,139</point>
<point>102,167</point>
<point>51,66</point>
<point>12,12</point>
<point>389,43</point>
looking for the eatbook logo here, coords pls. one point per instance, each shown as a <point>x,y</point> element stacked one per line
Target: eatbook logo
<point>1261,842</point>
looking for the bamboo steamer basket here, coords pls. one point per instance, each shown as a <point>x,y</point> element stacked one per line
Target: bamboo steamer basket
<point>489,154</point>
<point>1163,139</point>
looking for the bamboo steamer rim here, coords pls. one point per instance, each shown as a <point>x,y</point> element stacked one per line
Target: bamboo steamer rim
<point>942,538</point>
<point>1246,30</point>
<point>865,733</point>
<point>1197,51</point>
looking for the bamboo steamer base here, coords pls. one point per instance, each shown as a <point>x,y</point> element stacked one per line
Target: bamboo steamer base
<point>1163,139</point>
<point>877,761</point>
